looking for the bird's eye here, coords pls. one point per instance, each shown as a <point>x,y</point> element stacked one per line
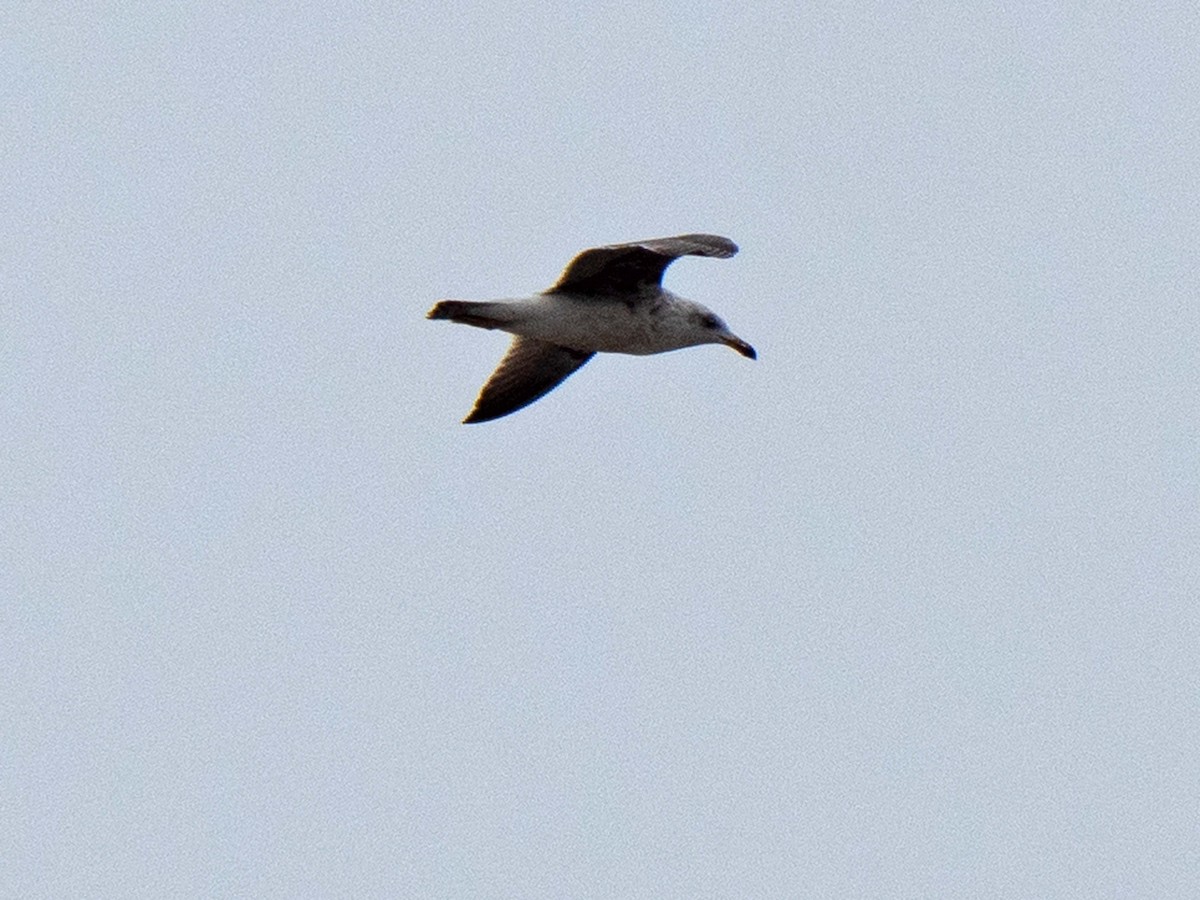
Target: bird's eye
<point>710,322</point>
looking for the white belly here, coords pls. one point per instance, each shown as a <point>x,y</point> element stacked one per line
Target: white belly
<point>590,324</point>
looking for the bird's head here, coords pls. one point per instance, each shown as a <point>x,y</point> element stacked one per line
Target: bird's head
<point>709,328</point>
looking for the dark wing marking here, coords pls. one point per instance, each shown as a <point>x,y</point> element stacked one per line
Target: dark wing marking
<point>529,370</point>
<point>626,268</point>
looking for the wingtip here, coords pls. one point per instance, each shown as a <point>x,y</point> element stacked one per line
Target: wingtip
<point>479,415</point>
<point>717,245</point>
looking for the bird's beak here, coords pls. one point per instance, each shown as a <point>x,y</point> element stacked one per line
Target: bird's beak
<point>740,346</point>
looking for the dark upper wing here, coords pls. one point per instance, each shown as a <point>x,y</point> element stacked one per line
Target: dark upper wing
<point>528,370</point>
<point>621,268</point>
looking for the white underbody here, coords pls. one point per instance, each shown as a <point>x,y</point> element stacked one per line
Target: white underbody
<point>655,323</point>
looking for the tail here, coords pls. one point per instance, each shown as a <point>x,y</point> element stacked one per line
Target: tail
<point>481,314</point>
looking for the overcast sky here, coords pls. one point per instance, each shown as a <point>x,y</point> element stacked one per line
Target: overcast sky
<point>906,608</point>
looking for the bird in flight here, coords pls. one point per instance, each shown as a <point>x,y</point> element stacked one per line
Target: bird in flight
<point>609,299</point>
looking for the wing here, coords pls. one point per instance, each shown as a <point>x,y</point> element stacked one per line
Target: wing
<point>626,268</point>
<point>528,370</point>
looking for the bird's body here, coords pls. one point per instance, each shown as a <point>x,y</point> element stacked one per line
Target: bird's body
<point>609,300</point>
<point>580,322</point>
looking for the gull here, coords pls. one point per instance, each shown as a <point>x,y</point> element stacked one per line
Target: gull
<point>609,299</point>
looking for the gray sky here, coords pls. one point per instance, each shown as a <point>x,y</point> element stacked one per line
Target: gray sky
<point>906,608</point>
